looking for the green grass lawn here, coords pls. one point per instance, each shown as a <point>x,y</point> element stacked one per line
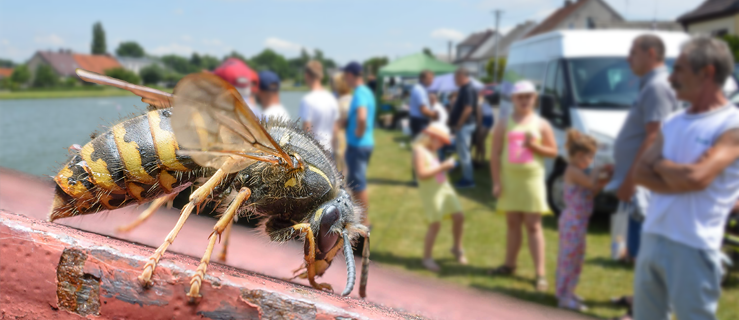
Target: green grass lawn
<point>399,228</point>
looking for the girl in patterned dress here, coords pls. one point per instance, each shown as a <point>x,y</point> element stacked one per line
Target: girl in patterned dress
<point>579,190</point>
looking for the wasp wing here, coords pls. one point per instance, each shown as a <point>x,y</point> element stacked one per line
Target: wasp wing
<point>154,97</point>
<point>212,124</point>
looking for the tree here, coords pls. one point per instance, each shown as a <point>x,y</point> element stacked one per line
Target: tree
<point>209,62</point>
<point>733,42</point>
<point>151,74</point>
<point>239,56</point>
<point>273,61</point>
<point>195,61</point>
<point>5,63</point>
<point>428,52</point>
<point>20,75</point>
<point>499,69</point>
<point>178,64</point>
<point>373,65</point>
<point>98,39</point>
<point>45,77</point>
<point>123,74</point>
<point>130,49</point>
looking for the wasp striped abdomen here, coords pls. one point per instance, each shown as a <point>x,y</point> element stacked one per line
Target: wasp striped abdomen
<point>133,162</point>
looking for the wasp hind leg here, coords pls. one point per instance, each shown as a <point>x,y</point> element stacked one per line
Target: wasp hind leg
<point>223,223</point>
<point>153,207</point>
<point>310,258</point>
<point>226,237</point>
<point>196,198</point>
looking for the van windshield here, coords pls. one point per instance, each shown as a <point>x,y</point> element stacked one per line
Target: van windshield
<point>605,82</point>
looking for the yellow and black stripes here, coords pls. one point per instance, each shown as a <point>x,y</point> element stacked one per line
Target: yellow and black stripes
<point>135,161</point>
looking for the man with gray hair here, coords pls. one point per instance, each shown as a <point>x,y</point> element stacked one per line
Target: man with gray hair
<point>692,170</point>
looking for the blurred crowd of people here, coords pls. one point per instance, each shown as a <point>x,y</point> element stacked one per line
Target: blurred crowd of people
<point>676,169</point>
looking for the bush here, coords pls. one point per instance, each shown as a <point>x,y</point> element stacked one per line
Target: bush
<point>152,74</point>
<point>45,77</point>
<point>123,74</point>
<point>21,75</point>
<point>70,82</point>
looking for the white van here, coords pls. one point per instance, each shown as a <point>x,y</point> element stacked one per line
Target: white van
<point>585,83</point>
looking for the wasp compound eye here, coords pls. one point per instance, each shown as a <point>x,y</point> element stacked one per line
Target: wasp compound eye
<point>326,238</point>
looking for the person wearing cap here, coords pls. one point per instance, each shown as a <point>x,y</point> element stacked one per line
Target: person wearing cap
<point>269,96</point>
<point>463,120</point>
<point>520,144</point>
<point>243,78</point>
<point>319,109</point>
<point>359,136</point>
<point>440,201</point>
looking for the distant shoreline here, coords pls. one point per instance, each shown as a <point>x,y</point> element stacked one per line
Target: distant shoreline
<point>57,94</point>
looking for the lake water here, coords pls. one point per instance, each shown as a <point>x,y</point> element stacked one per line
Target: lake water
<point>35,133</point>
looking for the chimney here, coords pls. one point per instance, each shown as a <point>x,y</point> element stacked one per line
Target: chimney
<point>567,3</point>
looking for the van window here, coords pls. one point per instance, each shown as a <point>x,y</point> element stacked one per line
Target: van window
<point>604,82</point>
<point>554,86</point>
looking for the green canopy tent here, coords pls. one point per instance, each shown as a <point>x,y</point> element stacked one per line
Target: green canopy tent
<point>412,65</point>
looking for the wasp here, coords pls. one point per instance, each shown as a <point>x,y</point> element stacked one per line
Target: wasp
<point>205,135</point>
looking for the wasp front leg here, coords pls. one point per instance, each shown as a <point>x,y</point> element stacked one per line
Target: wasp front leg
<point>310,257</point>
<point>224,222</point>
<point>153,207</point>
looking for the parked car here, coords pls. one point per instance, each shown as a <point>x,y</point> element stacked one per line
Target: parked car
<point>585,83</point>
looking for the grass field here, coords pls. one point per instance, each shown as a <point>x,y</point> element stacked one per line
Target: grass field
<point>399,228</point>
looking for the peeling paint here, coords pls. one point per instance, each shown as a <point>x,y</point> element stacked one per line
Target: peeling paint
<point>274,306</point>
<point>77,291</point>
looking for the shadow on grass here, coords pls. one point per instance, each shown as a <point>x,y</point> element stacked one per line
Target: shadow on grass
<point>389,182</point>
<point>607,263</point>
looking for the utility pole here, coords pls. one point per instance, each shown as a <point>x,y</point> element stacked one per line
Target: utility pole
<point>497,44</point>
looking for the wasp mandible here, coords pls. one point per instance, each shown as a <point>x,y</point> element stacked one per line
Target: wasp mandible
<point>205,135</point>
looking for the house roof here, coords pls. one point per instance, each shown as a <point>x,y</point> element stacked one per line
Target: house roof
<point>61,61</point>
<point>570,7</point>
<point>474,40</point>
<point>518,32</point>
<point>5,72</point>
<point>710,9</point>
<point>96,63</point>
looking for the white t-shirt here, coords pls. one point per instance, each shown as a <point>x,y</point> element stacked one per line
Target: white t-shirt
<point>321,109</point>
<point>696,219</point>
<point>443,115</point>
<point>276,111</point>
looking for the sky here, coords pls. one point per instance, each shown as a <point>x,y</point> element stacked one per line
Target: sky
<point>344,30</point>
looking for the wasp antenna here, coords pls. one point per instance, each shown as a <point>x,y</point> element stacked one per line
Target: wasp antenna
<point>350,268</point>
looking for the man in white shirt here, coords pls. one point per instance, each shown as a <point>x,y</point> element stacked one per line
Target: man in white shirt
<point>692,170</point>
<point>319,109</point>
<point>269,96</point>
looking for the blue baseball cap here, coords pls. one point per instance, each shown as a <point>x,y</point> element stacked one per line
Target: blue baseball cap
<point>269,81</point>
<point>354,68</point>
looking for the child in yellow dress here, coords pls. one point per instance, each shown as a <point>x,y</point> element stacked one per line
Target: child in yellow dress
<point>438,196</point>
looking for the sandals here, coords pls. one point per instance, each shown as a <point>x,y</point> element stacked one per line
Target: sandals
<point>541,284</point>
<point>572,304</point>
<point>459,255</point>
<point>430,265</point>
<point>502,270</point>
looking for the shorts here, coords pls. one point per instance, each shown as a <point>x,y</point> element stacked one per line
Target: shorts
<point>357,159</point>
<point>487,121</point>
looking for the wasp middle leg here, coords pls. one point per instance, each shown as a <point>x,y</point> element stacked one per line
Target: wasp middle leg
<point>196,198</point>
<point>226,237</point>
<point>153,207</point>
<point>224,222</point>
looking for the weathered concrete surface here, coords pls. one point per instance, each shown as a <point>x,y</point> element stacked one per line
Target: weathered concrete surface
<point>390,287</point>
<point>50,271</point>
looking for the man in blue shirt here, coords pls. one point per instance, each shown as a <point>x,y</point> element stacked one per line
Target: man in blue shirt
<point>359,136</point>
<point>420,110</point>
